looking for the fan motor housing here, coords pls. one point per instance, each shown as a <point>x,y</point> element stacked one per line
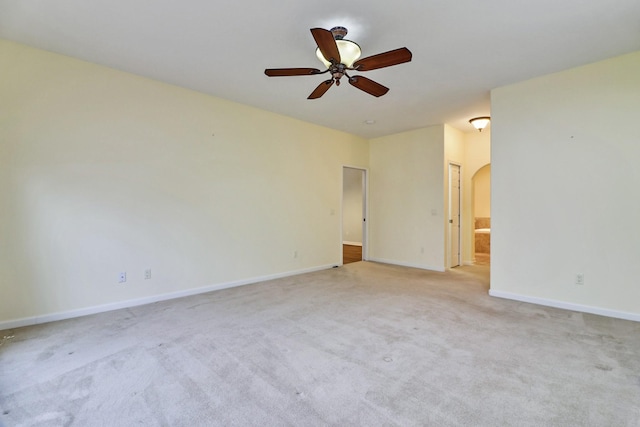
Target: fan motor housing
<point>339,32</point>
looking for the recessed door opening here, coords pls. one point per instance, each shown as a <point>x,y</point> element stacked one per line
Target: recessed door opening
<point>481,183</point>
<point>354,230</point>
<point>454,215</point>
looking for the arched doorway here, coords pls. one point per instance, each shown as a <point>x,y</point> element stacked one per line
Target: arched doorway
<point>481,185</point>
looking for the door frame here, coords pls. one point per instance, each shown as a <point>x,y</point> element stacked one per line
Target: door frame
<point>365,210</point>
<point>449,258</point>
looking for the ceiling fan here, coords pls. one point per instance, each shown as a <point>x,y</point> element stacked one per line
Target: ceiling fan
<point>340,56</point>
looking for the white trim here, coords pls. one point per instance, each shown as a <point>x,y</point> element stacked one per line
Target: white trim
<point>62,315</point>
<point>352,243</point>
<point>566,305</point>
<point>406,264</point>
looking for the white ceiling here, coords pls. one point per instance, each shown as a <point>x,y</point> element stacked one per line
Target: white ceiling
<point>461,49</point>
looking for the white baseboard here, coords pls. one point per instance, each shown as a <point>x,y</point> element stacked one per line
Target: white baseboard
<point>406,264</point>
<point>45,318</point>
<point>352,243</point>
<point>566,305</point>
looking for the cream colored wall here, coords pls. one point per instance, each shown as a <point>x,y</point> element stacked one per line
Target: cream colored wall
<point>406,198</point>
<point>103,171</point>
<point>565,173</point>
<point>482,192</point>
<point>477,149</point>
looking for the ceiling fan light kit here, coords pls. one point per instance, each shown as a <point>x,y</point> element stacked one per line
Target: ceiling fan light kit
<point>348,50</point>
<point>339,56</point>
<point>349,53</point>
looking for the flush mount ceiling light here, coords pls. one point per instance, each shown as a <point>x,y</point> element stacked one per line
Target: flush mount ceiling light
<point>480,122</point>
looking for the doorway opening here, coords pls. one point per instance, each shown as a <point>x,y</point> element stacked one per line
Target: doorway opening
<point>354,214</point>
<point>481,183</point>
<point>454,215</point>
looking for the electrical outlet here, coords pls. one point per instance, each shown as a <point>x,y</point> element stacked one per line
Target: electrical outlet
<point>122,277</point>
<point>147,274</point>
<point>580,279</point>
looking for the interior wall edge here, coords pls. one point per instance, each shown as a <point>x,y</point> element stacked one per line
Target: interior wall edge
<point>566,305</point>
<point>405,264</point>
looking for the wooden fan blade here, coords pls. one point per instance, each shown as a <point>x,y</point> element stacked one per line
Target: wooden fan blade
<point>368,85</point>
<point>381,60</point>
<point>284,72</point>
<point>327,44</point>
<point>321,89</point>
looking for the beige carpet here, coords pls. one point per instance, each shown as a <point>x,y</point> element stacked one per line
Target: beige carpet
<point>361,345</point>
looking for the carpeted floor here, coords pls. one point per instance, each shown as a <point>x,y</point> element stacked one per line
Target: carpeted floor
<point>362,345</point>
